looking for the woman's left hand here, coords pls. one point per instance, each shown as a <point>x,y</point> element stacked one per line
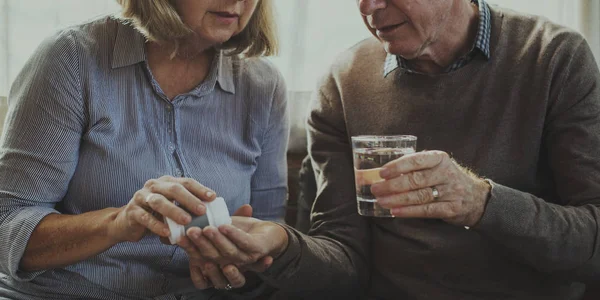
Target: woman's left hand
<point>430,184</point>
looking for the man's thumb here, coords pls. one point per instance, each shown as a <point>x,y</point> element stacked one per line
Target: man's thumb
<point>244,211</point>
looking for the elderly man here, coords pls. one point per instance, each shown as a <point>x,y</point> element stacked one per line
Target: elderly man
<point>507,207</point>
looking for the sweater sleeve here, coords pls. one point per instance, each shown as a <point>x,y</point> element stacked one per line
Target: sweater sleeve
<point>561,234</point>
<point>333,260</point>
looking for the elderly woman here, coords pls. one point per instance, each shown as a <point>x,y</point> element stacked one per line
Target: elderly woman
<point>112,121</point>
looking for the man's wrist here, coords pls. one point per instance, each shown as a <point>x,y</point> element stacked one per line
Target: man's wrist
<point>282,244</point>
<point>484,196</point>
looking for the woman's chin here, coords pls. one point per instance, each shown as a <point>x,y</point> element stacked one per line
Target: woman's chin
<point>210,39</point>
<point>220,37</point>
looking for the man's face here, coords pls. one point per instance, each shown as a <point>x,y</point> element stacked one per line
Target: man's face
<point>406,27</point>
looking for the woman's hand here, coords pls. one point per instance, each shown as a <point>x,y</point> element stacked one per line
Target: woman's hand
<point>431,185</point>
<point>146,208</point>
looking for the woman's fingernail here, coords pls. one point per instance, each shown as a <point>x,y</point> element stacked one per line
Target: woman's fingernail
<point>209,194</point>
<point>200,209</point>
<point>186,219</point>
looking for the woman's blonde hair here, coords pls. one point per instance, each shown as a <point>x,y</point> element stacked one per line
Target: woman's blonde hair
<point>159,21</point>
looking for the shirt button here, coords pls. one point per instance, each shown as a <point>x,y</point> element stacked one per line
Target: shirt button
<point>171,147</point>
<point>169,108</point>
<point>178,173</point>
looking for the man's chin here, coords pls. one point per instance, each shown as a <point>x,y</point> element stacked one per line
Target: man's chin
<point>400,50</point>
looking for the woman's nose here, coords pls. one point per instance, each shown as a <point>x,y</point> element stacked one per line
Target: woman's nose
<point>368,7</point>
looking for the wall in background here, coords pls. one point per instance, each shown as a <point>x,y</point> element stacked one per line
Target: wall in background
<point>591,25</point>
<point>25,23</point>
<point>3,107</point>
<point>313,33</point>
<point>4,82</point>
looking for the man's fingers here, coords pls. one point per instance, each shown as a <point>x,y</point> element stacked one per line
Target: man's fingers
<point>204,245</point>
<point>229,251</point>
<point>417,197</point>
<point>409,182</point>
<point>200,282</point>
<point>234,276</point>
<point>241,239</point>
<point>436,210</point>
<point>413,162</point>
<point>367,176</point>
<point>186,244</point>
<point>260,266</point>
<point>244,211</point>
<point>213,273</point>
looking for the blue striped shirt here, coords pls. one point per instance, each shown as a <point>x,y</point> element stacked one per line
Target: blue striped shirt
<point>481,45</point>
<point>87,125</point>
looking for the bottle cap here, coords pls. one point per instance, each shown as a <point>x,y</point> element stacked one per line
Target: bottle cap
<point>217,212</point>
<point>177,231</point>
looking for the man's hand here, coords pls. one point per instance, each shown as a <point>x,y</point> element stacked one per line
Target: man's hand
<point>408,189</point>
<point>212,266</point>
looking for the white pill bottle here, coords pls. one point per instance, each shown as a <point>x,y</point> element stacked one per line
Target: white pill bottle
<point>216,215</point>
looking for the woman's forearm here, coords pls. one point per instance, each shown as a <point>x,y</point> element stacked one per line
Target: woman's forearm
<point>61,240</point>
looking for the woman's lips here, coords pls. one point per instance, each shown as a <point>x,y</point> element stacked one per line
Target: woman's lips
<point>225,17</point>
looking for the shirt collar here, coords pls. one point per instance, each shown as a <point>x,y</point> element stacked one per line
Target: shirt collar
<point>225,72</point>
<point>129,50</point>
<point>484,33</point>
<point>482,41</point>
<point>129,46</point>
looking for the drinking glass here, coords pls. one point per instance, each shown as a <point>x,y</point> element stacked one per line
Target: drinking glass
<point>370,153</point>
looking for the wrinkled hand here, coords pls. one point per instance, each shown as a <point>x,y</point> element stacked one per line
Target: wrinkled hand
<point>208,267</point>
<point>144,211</point>
<point>407,189</point>
<point>248,245</point>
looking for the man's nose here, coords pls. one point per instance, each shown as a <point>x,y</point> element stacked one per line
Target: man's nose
<point>368,7</point>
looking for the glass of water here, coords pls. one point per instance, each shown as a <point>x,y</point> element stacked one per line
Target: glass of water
<point>371,152</point>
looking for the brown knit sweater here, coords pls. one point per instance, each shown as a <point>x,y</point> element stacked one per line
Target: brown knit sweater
<point>528,119</point>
